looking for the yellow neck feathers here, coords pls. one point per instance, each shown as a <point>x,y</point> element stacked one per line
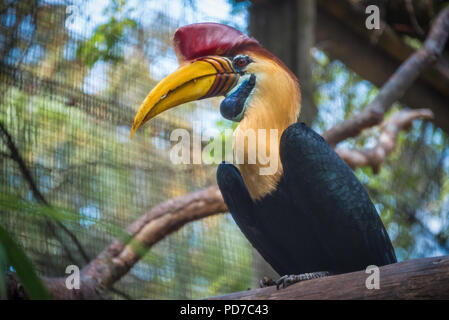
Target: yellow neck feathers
<point>273,106</point>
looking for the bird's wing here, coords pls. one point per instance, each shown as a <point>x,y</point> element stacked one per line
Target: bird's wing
<point>247,215</point>
<point>322,185</point>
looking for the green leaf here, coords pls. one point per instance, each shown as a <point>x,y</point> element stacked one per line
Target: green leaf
<point>68,217</point>
<point>25,271</point>
<point>105,44</point>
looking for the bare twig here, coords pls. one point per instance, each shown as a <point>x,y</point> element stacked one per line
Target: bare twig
<point>413,19</point>
<point>14,154</point>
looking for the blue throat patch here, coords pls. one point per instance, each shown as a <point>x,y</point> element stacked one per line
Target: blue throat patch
<point>234,105</point>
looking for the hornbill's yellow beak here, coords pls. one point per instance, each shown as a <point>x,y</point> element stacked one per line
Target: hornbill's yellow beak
<point>203,78</point>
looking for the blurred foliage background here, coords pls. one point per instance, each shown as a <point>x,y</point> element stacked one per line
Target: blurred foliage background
<point>72,76</point>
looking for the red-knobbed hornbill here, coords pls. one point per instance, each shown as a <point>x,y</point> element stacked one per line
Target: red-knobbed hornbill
<point>312,216</point>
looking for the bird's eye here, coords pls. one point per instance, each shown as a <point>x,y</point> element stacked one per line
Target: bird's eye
<point>241,61</point>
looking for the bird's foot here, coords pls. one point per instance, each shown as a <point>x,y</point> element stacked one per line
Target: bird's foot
<point>288,280</point>
<point>266,282</point>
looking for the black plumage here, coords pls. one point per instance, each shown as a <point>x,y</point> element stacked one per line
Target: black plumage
<point>320,218</point>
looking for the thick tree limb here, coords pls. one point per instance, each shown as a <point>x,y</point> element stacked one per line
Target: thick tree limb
<point>387,140</point>
<point>163,219</point>
<point>395,87</point>
<point>117,259</point>
<point>413,279</point>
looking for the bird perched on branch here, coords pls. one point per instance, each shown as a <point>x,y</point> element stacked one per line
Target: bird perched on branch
<point>309,216</point>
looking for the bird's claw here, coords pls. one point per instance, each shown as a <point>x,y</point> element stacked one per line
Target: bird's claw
<point>266,282</point>
<point>285,281</point>
<point>288,280</point>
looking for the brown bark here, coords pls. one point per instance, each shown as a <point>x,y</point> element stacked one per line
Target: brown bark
<point>413,279</point>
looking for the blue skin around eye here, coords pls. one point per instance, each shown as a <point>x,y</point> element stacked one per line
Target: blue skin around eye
<point>233,106</point>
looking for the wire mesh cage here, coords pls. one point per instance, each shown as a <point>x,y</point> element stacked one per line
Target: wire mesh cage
<point>72,77</point>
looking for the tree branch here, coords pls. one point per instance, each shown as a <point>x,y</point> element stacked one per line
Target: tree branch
<point>387,141</point>
<point>413,279</point>
<point>15,155</point>
<point>117,259</point>
<point>395,87</point>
